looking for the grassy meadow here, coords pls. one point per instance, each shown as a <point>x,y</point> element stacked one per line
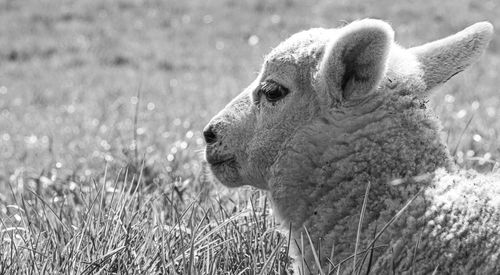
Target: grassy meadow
<point>101,109</point>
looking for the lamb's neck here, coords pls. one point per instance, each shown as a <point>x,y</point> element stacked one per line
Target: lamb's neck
<point>320,180</point>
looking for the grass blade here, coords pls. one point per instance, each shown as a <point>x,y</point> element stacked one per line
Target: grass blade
<point>360,224</point>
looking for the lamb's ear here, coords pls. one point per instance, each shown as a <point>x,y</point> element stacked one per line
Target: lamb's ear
<point>355,61</point>
<point>442,59</point>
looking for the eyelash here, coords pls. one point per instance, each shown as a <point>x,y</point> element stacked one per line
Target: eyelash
<point>272,91</point>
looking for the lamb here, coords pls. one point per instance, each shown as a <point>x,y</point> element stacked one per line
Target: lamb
<point>334,111</point>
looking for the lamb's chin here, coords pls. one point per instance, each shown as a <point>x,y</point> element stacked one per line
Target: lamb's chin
<point>227,173</point>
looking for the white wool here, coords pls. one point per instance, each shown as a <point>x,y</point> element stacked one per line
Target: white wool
<point>349,106</point>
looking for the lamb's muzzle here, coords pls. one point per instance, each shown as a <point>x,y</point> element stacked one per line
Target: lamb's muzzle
<point>355,111</point>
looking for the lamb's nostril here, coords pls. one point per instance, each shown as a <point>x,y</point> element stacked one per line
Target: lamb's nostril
<point>209,134</point>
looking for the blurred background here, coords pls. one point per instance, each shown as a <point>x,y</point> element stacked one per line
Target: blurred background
<point>85,83</point>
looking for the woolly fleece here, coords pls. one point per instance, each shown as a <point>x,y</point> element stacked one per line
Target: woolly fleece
<point>356,112</point>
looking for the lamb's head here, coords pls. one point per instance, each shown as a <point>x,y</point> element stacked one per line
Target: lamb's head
<point>344,74</point>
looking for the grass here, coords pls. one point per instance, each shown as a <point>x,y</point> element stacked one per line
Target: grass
<point>96,178</point>
<point>110,226</point>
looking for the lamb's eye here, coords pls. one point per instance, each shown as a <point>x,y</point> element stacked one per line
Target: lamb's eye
<point>273,91</point>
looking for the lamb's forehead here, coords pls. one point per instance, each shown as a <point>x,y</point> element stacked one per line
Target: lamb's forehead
<point>303,48</point>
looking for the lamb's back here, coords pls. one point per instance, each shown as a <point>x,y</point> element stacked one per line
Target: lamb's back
<point>458,232</point>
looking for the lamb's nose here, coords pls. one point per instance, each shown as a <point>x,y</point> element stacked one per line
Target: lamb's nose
<point>209,134</point>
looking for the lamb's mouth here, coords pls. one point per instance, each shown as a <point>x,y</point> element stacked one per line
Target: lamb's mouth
<point>219,162</point>
<point>226,171</point>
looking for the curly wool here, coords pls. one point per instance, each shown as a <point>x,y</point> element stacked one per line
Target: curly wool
<point>320,178</point>
<point>457,233</point>
<point>356,112</point>
<point>319,181</point>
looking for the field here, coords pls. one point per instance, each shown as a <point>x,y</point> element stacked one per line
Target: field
<point>101,109</point>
